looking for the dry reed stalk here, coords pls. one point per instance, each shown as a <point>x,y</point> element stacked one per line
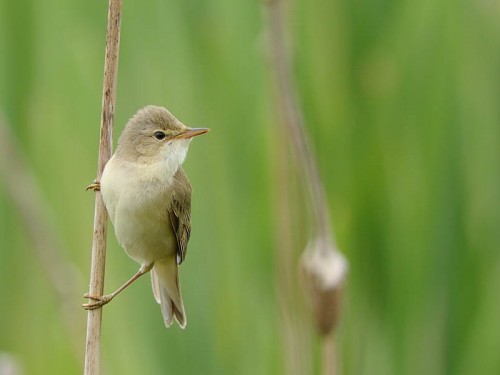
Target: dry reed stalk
<point>294,329</point>
<point>323,267</point>
<point>94,317</point>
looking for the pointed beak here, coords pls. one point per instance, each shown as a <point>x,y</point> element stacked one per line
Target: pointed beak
<point>192,132</point>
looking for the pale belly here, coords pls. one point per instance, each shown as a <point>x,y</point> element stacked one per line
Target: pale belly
<point>146,237</point>
<point>140,218</point>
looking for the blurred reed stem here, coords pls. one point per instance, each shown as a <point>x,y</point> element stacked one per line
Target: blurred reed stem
<point>36,216</point>
<point>293,120</point>
<point>295,333</point>
<point>323,267</point>
<point>328,357</point>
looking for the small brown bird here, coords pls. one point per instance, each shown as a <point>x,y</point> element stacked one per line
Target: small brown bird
<point>148,198</point>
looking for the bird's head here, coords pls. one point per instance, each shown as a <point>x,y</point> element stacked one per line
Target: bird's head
<point>154,135</point>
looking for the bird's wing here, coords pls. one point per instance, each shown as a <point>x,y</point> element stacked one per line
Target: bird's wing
<point>180,213</point>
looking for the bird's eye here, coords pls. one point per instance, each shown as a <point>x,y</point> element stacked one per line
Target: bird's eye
<point>159,135</point>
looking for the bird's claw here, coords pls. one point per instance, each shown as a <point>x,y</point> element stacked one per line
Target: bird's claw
<point>96,186</point>
<point>99,301</point>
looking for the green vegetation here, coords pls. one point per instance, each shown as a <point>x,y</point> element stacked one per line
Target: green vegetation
<point>402,103</point>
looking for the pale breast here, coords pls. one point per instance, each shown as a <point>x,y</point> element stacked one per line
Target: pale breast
<point>138,210</point>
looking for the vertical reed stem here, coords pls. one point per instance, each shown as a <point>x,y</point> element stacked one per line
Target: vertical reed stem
<point>329,366</point>
<point>323,248</point>
<point>294,121</point>
<point>94,317</point>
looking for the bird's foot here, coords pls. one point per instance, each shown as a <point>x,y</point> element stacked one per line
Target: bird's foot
<point>98,301</point>
<point>96,186</point>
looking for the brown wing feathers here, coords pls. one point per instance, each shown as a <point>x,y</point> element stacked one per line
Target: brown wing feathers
<point>180,213</point>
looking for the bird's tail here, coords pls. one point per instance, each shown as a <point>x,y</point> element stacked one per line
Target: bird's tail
<point>167,291</point>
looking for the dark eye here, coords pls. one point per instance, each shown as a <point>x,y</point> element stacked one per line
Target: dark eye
<point>159,135</point>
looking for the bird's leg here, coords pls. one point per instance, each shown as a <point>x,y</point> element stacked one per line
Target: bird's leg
<point>96,186</point>
<point>102,300</point>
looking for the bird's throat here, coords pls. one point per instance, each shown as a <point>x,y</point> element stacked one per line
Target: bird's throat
<point>169,160</point>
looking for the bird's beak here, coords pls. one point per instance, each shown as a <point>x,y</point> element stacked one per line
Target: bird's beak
<point>192,132</point>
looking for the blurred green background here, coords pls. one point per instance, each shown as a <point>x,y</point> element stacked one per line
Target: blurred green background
<point>402,101</point>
